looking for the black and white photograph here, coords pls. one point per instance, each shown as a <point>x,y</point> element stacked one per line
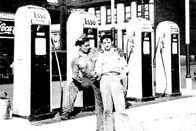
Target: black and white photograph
<point>98,65</point>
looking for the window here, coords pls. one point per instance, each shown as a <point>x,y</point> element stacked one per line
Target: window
<point>124,43</point>
<point>127,13</point>
<point>143,12</point>
<point>115,15</point>
<point>98,15</point>
<point>108,15</point>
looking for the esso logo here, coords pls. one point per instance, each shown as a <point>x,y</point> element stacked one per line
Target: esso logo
<point>39,15</point>
<point>89,22</point>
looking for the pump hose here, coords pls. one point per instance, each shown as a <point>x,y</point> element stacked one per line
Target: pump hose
<point>156,48</point>
<point>164,72</point>
<point>60,77</point>
<point>128,54</point>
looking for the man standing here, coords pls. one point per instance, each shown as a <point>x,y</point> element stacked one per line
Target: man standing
<point>111,68</point>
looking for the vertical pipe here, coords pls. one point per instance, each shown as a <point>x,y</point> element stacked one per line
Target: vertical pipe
<point>187,22</point>
<point>63,40</point>
<point>112,19</point>
<point>63,27</point>
<point>187,25</point>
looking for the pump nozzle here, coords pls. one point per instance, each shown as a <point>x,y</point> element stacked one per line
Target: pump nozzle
<point>130,46</point>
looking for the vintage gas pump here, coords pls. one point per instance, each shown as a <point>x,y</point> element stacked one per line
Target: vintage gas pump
<point>139,45</point>
<point>167,58</point>
<point>80,23</point>
<point>32,62</point>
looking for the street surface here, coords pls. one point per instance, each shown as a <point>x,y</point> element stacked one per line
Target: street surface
<point>176,113</point>
<point>172,115</point>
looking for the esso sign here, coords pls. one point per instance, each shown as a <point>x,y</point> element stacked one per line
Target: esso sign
<point>39,16</point>
<point>89,22</point>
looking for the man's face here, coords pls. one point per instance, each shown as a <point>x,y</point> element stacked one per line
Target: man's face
<point>85,47</point>
<point>107,44</point>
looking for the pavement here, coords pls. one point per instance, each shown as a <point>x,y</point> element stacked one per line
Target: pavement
<point>170,113</point>
<point>176,113</point>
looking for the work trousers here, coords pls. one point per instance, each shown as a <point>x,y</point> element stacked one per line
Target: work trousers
<point>112,93</point>
<point>70,97</point>
<point>70,93</point>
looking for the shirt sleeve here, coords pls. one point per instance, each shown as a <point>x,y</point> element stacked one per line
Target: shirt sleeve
<point>98,65</point>
<point>75,70</point>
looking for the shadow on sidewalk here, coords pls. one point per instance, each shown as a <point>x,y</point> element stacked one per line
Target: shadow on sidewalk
<point>90,111</point>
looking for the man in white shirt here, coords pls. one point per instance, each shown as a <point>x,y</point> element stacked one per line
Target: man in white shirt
<point>111,68</point>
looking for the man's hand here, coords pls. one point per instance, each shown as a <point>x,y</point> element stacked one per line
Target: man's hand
<point>120,52</point>
<point>86,83</point>
<point>97,76</point>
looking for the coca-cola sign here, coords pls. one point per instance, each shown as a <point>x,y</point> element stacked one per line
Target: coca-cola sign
<point>6,28</point>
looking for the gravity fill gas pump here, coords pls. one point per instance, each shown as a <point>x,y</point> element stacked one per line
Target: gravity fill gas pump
<point>32,62</point>
<point>139,45</point>
<point>80,23</point>
<point>167,53</point>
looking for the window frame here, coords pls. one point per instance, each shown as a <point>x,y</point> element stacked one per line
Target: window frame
<point>146,11</point>
<point>98,15</point>
<point>108,15</point>
<point>127,15</point>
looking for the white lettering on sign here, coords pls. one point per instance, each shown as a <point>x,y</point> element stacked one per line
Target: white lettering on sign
<point>6,15</point>
<point>89,22</point>
<point>5,29</point>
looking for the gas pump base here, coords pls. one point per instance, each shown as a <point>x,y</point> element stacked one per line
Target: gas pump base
<point>151,98</point>
<point>36,117</point>
<point>165,95</point>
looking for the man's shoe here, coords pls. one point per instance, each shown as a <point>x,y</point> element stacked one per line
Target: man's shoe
<point>127,104</point>
<point>65,116</point>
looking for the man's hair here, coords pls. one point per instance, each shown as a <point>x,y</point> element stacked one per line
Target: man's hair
<point>106,36</point>
<point>81,42</point>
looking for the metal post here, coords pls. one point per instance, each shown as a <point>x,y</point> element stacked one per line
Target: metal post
<point>187,21</point>
<point>112,19</point>
<point>63,27</point>
<point>63,39</point>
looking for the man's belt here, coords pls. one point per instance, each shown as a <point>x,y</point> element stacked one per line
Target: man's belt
<point>111,73</point>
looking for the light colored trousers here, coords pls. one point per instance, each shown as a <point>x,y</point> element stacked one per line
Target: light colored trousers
<point>112,93</point>
<point>72,94</point>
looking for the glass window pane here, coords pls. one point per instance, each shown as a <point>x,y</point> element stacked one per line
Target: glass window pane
<point>108,16</point>
<point>127,13</point>
<point>98,15</point>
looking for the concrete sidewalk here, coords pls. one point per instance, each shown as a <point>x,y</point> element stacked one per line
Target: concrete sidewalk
<point>172,115</point>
